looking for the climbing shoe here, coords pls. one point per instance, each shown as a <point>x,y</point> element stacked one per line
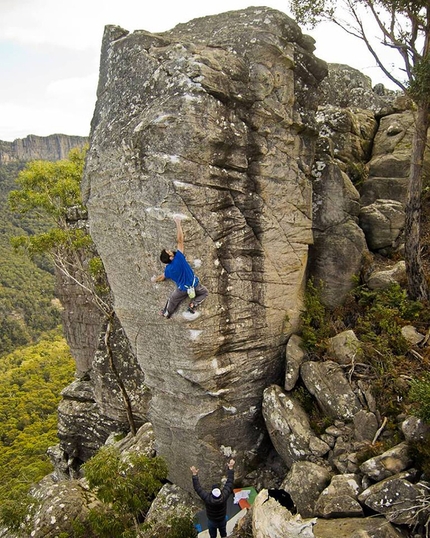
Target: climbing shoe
<point>192,308</point>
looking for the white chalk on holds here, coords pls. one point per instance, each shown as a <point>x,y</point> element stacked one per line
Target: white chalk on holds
<point>179,216</point>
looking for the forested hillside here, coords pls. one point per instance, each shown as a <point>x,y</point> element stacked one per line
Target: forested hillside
<point>27,303</point>
<point>35,360</point>
<point>31,381</point>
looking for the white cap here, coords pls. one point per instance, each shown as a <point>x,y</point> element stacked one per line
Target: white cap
<point>216,492</point>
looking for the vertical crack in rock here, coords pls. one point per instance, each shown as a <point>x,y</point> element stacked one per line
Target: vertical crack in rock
<point>206,120</point>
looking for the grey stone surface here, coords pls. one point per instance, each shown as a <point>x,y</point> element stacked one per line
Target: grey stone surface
<point>347,87</point>
<point>415,429</point>
<point>288,426</point>
<point>170,502</point>
<point>356,527</point>
<point>396,498</point>
<point>61,505</point>
<point>207,121</point>
<point>382,222</point>
<point>384,279</point>
<point>344,348</point>
<point>294,357</point>
<point>339,498</point>
<point>304,482</point>
<point>335,258</point>
<point>389,463</point>
<point>327,382</point>
<point>270,519</point>
<point>365,425</point>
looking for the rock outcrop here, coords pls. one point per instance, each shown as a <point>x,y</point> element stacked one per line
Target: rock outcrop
<point>46,148</point>
<point>217,121</point>
<point>212,120</point>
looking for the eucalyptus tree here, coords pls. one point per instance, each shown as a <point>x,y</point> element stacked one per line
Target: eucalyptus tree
<point>402,26</point>
<point>52,190</point>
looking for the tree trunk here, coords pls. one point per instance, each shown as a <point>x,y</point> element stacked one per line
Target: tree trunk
<point>417,283</point>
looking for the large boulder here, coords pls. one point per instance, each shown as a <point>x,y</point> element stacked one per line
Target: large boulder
<point>171,502</point>
<point>339,499</point>
<point>389,463</point>
<point>344,347</point>
<point>61,506</point>
<point>356,527</point>
<point>305,482</point>
<point>270,519</point>
<point>288,426</point>
<point>348,87</point>
<point>383,223</point>
<point>401,502</point>
<point>212,120</point>
<point>327,382</point>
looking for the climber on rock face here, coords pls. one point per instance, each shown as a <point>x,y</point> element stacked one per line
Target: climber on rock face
<point>179,270</point>
<point>215,501</point>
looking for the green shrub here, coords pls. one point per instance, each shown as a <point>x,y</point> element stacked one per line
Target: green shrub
<point>181,527</point>
<point>31,380</point>
<point>419,394</point>
<point>126,487</point>
<point>315,320</point>
<point>377,318</point>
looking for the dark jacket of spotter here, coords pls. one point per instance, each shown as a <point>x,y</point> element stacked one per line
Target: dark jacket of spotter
<point>216,508</point>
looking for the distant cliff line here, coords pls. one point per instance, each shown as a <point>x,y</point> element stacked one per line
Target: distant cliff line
<point>48,148</point>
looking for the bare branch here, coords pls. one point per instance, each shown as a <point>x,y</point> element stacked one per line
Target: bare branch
<point>378,433</point>
<point>61,266</point>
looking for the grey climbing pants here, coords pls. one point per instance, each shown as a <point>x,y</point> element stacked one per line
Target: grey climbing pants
<point>177,296</point>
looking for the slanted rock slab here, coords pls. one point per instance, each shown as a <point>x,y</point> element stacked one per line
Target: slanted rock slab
<point>327,382</point>
<point>356,527</point>
<point>288,426</point>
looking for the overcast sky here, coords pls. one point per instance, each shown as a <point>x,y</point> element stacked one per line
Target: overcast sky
<point>50,49</point>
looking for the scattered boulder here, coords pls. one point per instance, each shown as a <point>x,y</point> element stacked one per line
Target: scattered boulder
<point>396,498</point>
<point>339,499</point>
<point>270,518</point>
<point>365,425</point>
<point>411,335</point>
<point>415,429</point>
<point>344,347</point>
<point>304,482</point>
<point>384,279</point>
<point>62,505</point>
<point>327,382</point>
<point>382,222</point>
<point>294,357</point>
<point>289,428</point>
<point>171,501</point>
<point>389,463</point>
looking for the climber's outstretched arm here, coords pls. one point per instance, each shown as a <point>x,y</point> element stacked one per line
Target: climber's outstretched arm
<point>179,234</point>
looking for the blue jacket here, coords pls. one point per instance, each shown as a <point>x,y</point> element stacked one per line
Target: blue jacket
<point>179,270</point>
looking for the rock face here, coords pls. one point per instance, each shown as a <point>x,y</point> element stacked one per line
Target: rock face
<point>46,148</point>
<point>208,121</point>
